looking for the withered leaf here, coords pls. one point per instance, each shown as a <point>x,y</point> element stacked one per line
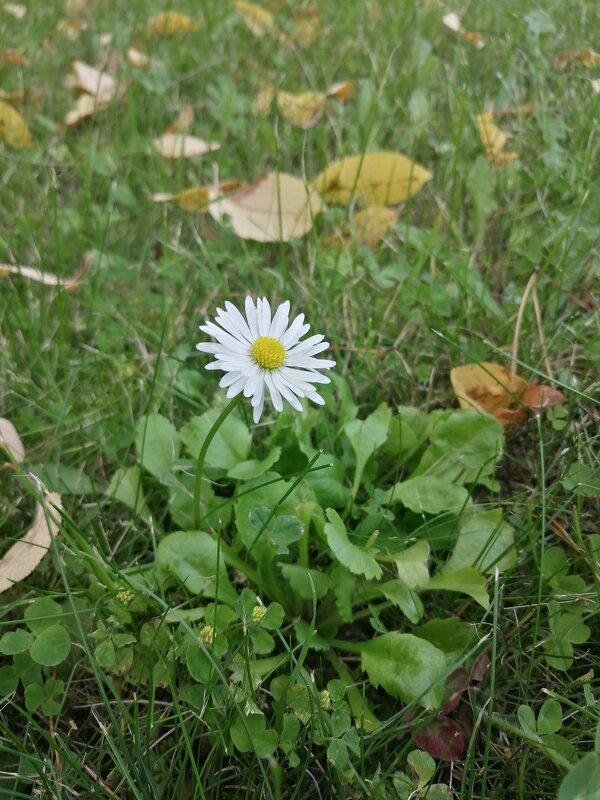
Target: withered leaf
<point>257,19</point>
<point>13,128</point>
<point>304,109</point>
<point>10,439</point>
<point>196,198</point>
<point>493,140</point>
<point>453,22</point>
<point>178,145</point>
<point>169,22</point>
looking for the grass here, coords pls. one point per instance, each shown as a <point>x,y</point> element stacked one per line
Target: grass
<point>79,369</point>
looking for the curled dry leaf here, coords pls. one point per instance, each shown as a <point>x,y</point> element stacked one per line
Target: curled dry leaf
<point>13,128</point>
<point>368,228</point>
<point>306,29</point>
<point>48,278</point>
<point>183,121</point>
<point>374,179</point>
<point>493,140</point>
<point>304,109</point>
<point>588,57</point>
<point>13,58</point>
<point>71,28</point>
<point>274,208</point>
<point>196,198</point>
<point>170,22</point>
<point>85,106</point>
<point>92,81</point>
<point>257,18</point>
<point>342,90</point>
<point>453,22</point>
<point>177,145</point>
<point>16,10</point>
<point>137,58</point>
<point>24,556</point>
<point>10,439</point>
<point>490,387</point>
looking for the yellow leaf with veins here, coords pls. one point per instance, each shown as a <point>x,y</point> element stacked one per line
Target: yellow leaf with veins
<point>13,128</point>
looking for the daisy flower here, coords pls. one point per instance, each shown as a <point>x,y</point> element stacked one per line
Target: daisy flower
<point>260,350</point>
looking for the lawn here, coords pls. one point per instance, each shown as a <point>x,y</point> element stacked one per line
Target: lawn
<point>395,593</point>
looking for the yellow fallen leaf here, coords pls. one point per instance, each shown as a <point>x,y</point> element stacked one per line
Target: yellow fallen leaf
<point>72,28</point>
<point>453,22</point>
<point>170,22</point>
<point>183,121</point>
<point>178,145</point>
<point>306,30</point>
<point>342,90</point>
<point>264,100</point>
<point>493,140</point>
<point>274,208</point>
<point>22,558</point>
<point>10,440</point>
<point>588,57</point>
<point>258,19</point>
<point>196,198</point>
<point>15,10</point>
<point>93,81</point>
<point>304,109</point>
<point>13,128</point>
<point>371,224</point>
<point>137,58</point>
<point>13,58</point>
<point>375,179</point>
<point>48,278</point>
<point>74,7</point>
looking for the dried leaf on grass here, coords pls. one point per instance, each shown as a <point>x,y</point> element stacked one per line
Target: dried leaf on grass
<point>16,10</point>
<point>13,128</point>
<point>453,22</point>
<point>342,90</point>
<point>169,22</point>
<point>257,18</point>
<point>183,121</point>
<point>368,228</point>
<point>24,556</point>
<point>494,140</point>
<point>375,179</point>
<point>304,109</point>
<point>274,208</point>
<point>13,58</point>
<point>47,278</point>
<point>196,198</point>
<point>137,58</point>
<point>72,28</point>
<point>177,145</point>
<point>10,439</point>
<point>490,387</point>
<point>92,80</point>
<point>588,57</point>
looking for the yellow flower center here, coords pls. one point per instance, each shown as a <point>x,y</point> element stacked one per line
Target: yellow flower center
<point>268,352</point>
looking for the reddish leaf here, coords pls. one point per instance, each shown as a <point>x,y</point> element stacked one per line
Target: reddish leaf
<point>538,397</point>
<point>443,739</point>
<point>456,685</point>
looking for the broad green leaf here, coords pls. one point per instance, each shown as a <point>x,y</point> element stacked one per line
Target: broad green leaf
<point>550,717</point>
<point>423,766</point>
<point>354,558</point>
<point>560,745</point>
<point>34,696</point>
<point>427,494</point>
<point>9,681</point>
<point>255,495</point>
<point>305,581</point>
<point>15,642</point>
<point>412,565</point>
<point>282,530</point>
<point>526,719</point>
<point>52,646</point>
<point>199,664</point>
<point>407,601</point>
<point>158,444</point>
<point>365,437</point>
<point>305,633</point>
<point>290,733</point>
<point>64,479</point>
<point>42,613</point>
<point>328,484</point>
<point>247,470</point>
<point>126,486</point>
<point>583,781</point>
<point>252,735</point>
<point>193,558</point>
<point>464,447</point>
<point>230,446</point>
<point>407,667</point>
<point>337,753</point>
<point>466,581</point>
<point>485,541</point>
<point>450,634</point>
<point>105,654</point>
<point>343,587</point>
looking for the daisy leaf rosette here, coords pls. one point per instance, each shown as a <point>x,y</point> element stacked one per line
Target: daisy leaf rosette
<point>260,352</point>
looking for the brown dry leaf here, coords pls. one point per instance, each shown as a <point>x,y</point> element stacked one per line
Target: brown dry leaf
<point>371,224</point>
<point>48,278</point>
<point>183,121</point>
<point>306,30</point>
<point>588,57</point>
<point>453,22</point>
<point>85,106</point>
<point>274,208</point>
<point>10,439</point>
<point>258,19</point>
<point>72,28</point>
<point>13,58</point>
<point>92,81</point>
<point>375,179</point>
<point>170,22</point>
<point>264,100</point>
<point>13,128</point>
<point>304,109</point>
<point>137,58</point>
<point>342,90</point>
<point>490,387</point>
<point>15,10</point>
<point>177,145</point>
<point>24,556</point>
<point>196,198</point>
<point>494,140</point>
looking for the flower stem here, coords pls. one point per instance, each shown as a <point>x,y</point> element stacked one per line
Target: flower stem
<point>202,455</point>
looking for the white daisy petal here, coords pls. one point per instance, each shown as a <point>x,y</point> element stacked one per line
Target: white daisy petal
<point>296,330</point>
<point>280,320</point>
<point>308,362</point>
<point>235,315</point>
<point>287,392</point>
<point>258,409</point>
<point>228,379</point>
<point>252,317</point>
<point>236,387</point>
<point>274,392</point>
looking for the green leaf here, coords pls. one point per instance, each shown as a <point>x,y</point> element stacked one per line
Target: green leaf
<point>328,484</point>
<point>126,486</point>
<point>64,479</point>
<point>306,633</point>
<point>15,642</point>
<point>526,719</point>
<point>337,753</point>
<point>158,444</point>
<point>365,437</point>
<point>550,717</point>
<point>412,565</point>
<point>423,766</point>
<point>51,647</point>
<point>407,601</point>
<point>34,696</point>
<point>282,530</point>
<point>198,663</point>
<point>340,721</point>
<point>583,781</point>
<point>42,613</point>
<point>407,667</point>
<point>450,634</point>
<point>256,495</point>
<point>9,681</point>
<point>344,585</point>
<point>193,558</point>
<point>273,619</point>
<point>105,654</point>
<point>229,447</point>
<point>253,736</point>
<point>466,581</point>
<point>427,494</point>
<point>304,582</point>
<point>464,447</point>
<point>289,733</point>
<point>485,541</point>
<point>354,558</point>
<point>561,746</point>
<point>247,470</point>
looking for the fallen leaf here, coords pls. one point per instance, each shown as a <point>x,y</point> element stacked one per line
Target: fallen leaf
<point>10,439</point>
<point>74,7</point>
<point>490,387</point>
<point>72,28</point>
<point>23,557</point>
<point>183,121</point>
<point>264,100</point>
<point>588,57</point>
<point>342,90</point>
<point>13,58</point>
<point>306,29</point>
<point>137,58</point>
<point>493,140</point>
<point>85,106</point>
<point>367,228</point>
<point>48,278</point>
<point>15,10</point>
<point>13,128</point>
<point>170,22</point>
<point>177,145</point>
<point>258,19</point>
<point>453,22</point>
<point>274,208</point>
<point>93,81</point>
<point>374,179</point>
<point>196,198</point>
<point>596,85</point>
<point>304,109</point>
